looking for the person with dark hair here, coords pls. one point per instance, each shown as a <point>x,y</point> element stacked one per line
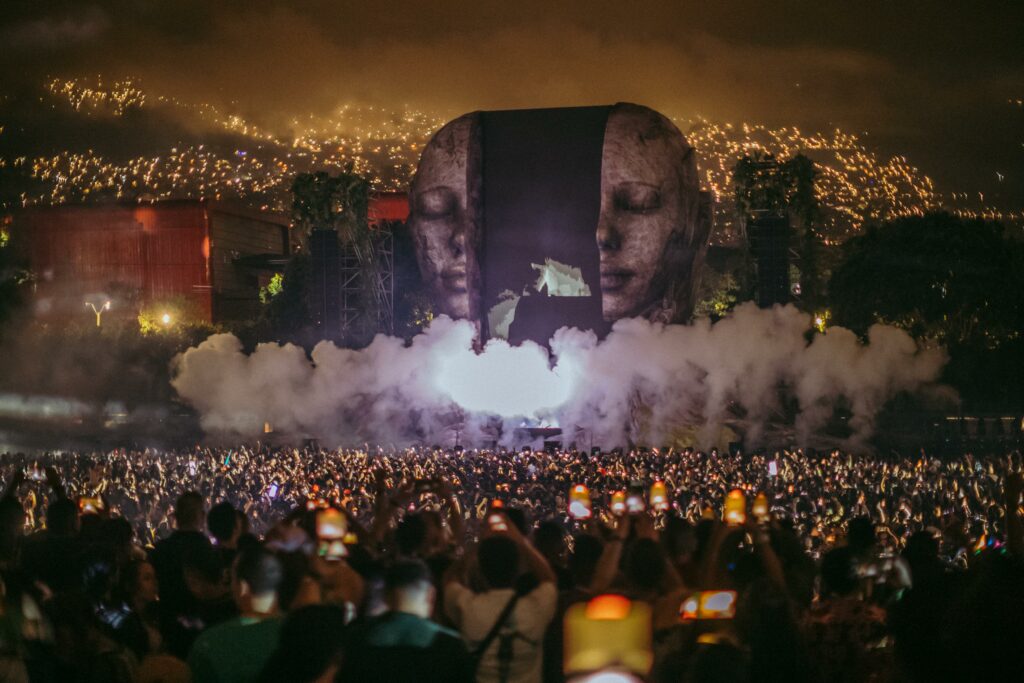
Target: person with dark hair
<point>168,556</point>
<point>916,620</point>
<point>842,628</point>
<point>403,644</point>
<point>54,555</point>
<point>237,650</point>
<point>505,624</point>
<point>549,539</point>
<point>225,527</point>
<point>411,536</point>
<point>132,617</point>
<point>84,653</point>
<point>310,648</point>
<point>12,528</point>
<point>209,599</point>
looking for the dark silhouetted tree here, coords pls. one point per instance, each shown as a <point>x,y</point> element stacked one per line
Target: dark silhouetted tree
<point>947,280</point>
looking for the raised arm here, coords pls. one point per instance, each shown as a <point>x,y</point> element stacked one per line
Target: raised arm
<point>535,562</point>
<point>608,564</point>
<point>17,479</point>
<point>1014,527</point>
<point>456,520</point>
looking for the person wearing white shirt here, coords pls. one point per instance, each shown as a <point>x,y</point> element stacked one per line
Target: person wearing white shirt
<point>515,654</point>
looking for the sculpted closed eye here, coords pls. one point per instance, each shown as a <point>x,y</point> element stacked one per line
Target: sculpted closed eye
<point>439,202</point>
<point>637,197</point>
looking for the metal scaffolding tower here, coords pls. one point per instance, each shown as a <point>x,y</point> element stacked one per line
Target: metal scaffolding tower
<point>362,315</point>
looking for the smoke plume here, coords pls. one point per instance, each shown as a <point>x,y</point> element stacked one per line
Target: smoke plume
<point>643,383</point>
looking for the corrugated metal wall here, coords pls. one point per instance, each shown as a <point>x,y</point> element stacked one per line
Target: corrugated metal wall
<point>159,252</point>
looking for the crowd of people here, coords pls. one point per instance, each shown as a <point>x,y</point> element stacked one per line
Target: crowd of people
<point>263,563</point>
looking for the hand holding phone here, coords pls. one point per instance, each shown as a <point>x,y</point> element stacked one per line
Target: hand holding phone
<point>90,505</point>
<point>708,605</point>
<point>618,505</point>
<point>735,508</point>
<point>497,522</point>
<point>331,530</point>
<point>579,502</point>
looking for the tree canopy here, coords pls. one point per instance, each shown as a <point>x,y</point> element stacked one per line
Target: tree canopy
<point>945,280</point>
<point>939,277</point>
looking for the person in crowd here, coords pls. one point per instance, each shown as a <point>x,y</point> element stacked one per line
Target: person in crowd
<point>236,650</point>
<point>225,525</point>
<point>168,556</point>
<point>505,624</point>
<point>136,624</point>
<point>842,628</point>
<point>310,647</point>
<point>403,645</point>
<point>854,566</point>
<point>84,652</point>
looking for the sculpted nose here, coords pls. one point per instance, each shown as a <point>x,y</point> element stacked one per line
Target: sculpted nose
<point>608,237</point>
<point>457,239</point>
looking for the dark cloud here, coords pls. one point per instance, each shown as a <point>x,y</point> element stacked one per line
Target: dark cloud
<point>925,79</point>
<point>58,31</point>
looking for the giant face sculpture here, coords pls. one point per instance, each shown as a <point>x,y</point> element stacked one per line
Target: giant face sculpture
<point>652,233</point>
<point>650,236</point>
<point>443,219</point>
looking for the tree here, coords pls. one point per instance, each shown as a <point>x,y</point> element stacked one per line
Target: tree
<point>325,202</point>
<point>289,310</point>
<point>761,184</point>
<point>945,280</point>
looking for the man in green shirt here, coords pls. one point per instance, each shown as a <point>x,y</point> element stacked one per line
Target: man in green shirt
<point>403,645</point>
<point>236,650</point>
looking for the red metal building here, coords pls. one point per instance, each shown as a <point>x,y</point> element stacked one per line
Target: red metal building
<point>392,207</point>
<point>150,253</point>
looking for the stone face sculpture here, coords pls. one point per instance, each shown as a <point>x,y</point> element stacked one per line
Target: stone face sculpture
<point>444,218</point>
<point>650,237</point>
<point>652,233</point>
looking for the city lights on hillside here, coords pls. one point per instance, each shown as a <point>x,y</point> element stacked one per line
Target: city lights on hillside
<point>856,185</point>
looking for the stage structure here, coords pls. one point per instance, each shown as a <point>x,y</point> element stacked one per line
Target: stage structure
<point>377,264</point>
<point>531,220</point>
<point>352,253</point>
<point>769,241</point>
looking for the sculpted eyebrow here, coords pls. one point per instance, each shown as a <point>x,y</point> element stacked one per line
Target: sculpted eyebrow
<point>436,201</point>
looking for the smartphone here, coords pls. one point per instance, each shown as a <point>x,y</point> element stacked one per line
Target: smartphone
<point>619,503</point>
<point>735,508</point>
<point>659,496</point>
<point>579,502</point>
<point>191,468</point>
<point>272,490</point>
<point>760,508</point>
<point>708,605</point>
<point>331,524</point>
<point>90,506</point>
<point>773,469</point>
<point>608,639</point>
<point>497,523</point>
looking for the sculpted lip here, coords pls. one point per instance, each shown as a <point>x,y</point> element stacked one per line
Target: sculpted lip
<point>614,279</point>
<point>454,280</point>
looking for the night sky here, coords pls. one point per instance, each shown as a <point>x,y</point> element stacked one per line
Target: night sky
<point>938,82</point>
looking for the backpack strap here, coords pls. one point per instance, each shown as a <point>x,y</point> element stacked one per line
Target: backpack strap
<point>481,648</point>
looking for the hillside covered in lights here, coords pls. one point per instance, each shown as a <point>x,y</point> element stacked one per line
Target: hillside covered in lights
<point>120,142</point>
